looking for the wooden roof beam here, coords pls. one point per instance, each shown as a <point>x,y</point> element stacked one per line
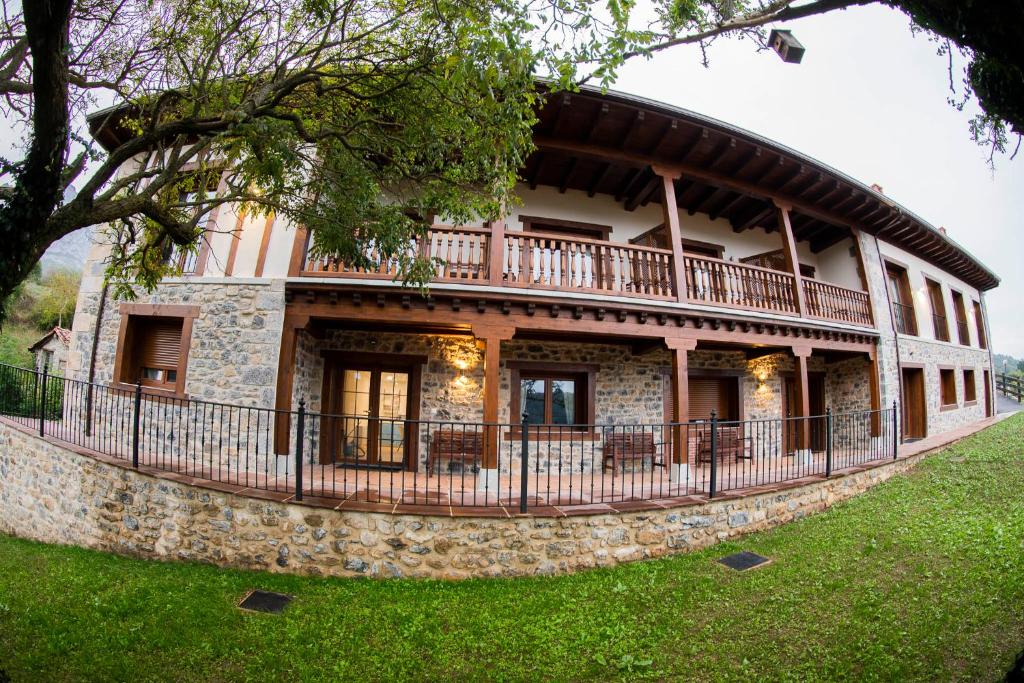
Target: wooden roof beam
<point>793,175</point>
<point>717,156</point>
<point>708,192</point>
<point>532,180</point>
<point>629,182</point>
<point>636,124</point>
<point>645,191</point>
<point>692,145</point>
<point>831,239</point>
<point>567,176</point>
<point>669,128</point>
<point>731,204</point>
<point>601,177</point>
<point>753,219</point>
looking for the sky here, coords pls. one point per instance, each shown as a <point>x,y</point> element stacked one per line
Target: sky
<point>869,99</point>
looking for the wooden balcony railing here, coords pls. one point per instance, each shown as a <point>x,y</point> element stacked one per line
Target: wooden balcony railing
<point>531,260</point>
<point>726,283</point>
<point>832,302</point>
<point>577,264</point>
<point>460,254</point>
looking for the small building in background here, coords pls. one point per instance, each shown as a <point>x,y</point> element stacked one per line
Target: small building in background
<point>52,350</point>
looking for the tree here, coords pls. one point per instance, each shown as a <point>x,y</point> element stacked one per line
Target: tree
<point>355,118</point>
<point>55,303</point>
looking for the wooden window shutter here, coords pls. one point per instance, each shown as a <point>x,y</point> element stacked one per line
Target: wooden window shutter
<point>705,396</point>
<point>160,343</point>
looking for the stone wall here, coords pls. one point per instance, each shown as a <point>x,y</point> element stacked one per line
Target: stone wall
<point>894,350</point>
<point>55,495</point>
<point>235,342</point>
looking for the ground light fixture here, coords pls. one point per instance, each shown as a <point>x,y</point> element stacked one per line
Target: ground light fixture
<point>743,561</point>
<point>265,601</point>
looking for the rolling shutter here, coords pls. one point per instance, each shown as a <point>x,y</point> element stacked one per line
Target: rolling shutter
<point>159,343</point>
<point>713,393</point>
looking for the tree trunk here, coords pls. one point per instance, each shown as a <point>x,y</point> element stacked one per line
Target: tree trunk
<point>24,219</point>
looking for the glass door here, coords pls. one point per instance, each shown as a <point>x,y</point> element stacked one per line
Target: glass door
<point>374,404</point>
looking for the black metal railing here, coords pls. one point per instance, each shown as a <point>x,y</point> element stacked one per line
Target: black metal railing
<point>906,321</point>
<point>355,459</point>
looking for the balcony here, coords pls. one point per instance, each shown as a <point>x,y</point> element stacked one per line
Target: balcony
<point>538,261</point>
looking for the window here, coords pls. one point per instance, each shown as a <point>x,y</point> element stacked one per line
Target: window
<point>902,303</point>
<point>556,226</point>
<point>970,389</point>
<point>960,311</point>
<point>979,321</point>
<point>939,323</point>
<point>553,394</point>
<point>947,382</point>
<point>153,345</point>
<point>720,394</point>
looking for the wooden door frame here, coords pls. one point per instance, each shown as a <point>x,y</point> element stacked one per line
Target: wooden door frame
<point>989,408</point>
<point>904,420</point>
<point>337,362</point>
<point>815,378</point>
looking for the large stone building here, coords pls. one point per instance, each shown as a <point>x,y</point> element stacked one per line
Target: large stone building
<point>661,265</point>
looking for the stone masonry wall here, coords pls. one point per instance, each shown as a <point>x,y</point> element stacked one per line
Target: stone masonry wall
<point>54,495</point>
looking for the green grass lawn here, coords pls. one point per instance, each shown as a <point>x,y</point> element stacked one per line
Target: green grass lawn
<point>921,578</point>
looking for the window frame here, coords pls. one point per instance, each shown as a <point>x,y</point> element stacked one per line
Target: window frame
<point>971,396</point>
<point>125,362</point>
<point>585,404</point>
<point>963,327</point>
<point>566,228</point>
<point>898,274</point>
<point>937,303</point>
<point>979,322</point>
<point>947,371</point>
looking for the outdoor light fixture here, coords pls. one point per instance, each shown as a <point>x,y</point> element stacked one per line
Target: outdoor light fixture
<point>788,47</point>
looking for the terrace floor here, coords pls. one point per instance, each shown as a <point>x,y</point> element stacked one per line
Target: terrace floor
<point>462,493</point>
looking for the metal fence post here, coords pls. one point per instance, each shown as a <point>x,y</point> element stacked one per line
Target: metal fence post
<point>136,418</point>
<point>895,430</point>
<point>300,437</point>
<point>828,441</point>
<point>524,462</point>
<point>714,455</point>
<point>42,400</point>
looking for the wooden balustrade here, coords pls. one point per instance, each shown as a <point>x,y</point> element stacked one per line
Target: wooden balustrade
<point>725,283</point>
<point>832,302</point>
<point>577,264</point>
<point>457,254</point>
<point>541,261</point>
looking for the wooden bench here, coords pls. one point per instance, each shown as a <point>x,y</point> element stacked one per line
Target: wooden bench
<point>731,443</point>
<point>455,445</point>
<point>629,447</point>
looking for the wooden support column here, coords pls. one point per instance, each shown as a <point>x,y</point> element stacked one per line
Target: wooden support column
<point>496,249</point>
<point>286,381</point>
<point>874,386</point>
<point>789,253</point>
<point>862,271</point>
<point>490,339</point>
<point>297,262</point>
<point>803,398</point>
<point>678,348</point>
<point>671,214</point>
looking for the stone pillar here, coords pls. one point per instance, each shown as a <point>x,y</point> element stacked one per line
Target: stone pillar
<point>678,348</point>
<point>490,338</point>
<point>671,216</point>
<point>286,381</point>
<point>789,254</point>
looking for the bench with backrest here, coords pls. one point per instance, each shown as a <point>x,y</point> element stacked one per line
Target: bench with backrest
<point>731,443</point>
<point>632,447</point>
<point>455,445</point>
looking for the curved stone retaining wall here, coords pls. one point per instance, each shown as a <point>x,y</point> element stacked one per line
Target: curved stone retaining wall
<point>53,494</point>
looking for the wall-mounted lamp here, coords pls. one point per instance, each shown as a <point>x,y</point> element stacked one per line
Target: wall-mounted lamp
<point>786,45</point>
